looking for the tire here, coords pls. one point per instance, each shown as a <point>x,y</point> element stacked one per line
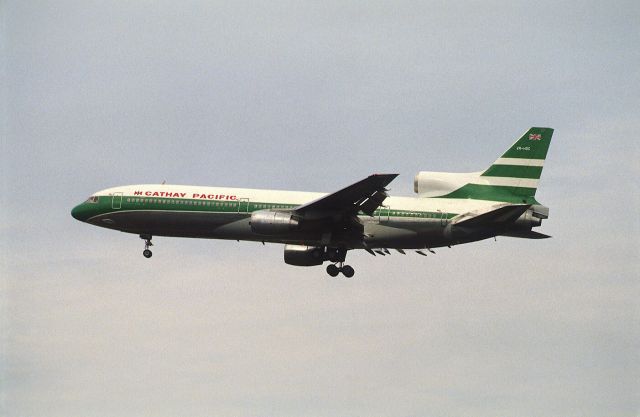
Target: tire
<point>147,253</point>
<point>333,270</point>
<point>348,271</point>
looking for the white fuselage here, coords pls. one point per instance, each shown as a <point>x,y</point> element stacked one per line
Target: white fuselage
<point>224,213</point>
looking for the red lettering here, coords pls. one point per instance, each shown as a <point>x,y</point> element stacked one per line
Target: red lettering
<point>137,193</point>
<point>232,197</point>
<point>196,195</point>
<point>183,194</point>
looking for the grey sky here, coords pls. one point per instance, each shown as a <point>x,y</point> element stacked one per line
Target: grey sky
<point>313,96</point>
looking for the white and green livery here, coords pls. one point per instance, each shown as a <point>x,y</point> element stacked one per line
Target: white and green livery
<point>450,209</point>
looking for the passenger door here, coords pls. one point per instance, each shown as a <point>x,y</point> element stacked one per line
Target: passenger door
<point>116,201</point>
<point>243,205</point>
<point>383,213</point>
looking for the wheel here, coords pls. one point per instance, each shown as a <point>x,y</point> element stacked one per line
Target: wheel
<point>147,253</point>
<point>348,271</point>
<point>333,270</point>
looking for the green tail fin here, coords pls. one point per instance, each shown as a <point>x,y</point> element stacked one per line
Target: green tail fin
<point>534,144</point>
<point>514,176</point>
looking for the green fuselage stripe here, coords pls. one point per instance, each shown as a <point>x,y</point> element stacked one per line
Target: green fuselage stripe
<point>107,204</point>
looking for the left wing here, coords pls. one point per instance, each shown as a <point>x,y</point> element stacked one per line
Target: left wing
<point>365,195</point>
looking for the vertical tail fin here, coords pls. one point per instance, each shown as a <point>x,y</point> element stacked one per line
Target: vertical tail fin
<point>514,176</point>
<point>528,151</point>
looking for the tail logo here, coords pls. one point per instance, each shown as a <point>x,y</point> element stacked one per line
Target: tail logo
<point>535,136</point>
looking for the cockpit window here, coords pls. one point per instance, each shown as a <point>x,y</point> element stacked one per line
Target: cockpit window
<point>92,199</point>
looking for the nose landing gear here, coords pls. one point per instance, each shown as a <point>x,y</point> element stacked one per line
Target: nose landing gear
<point>147,243</point>
<point>334,270</point>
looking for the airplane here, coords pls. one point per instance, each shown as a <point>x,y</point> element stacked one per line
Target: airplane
<point>449,209</point>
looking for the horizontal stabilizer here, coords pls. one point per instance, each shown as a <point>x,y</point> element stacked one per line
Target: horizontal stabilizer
<point>526,234</point>
<point>499,216</point>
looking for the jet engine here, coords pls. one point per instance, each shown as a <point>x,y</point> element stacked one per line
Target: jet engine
<point>301,255</point>
<point>271,222</point>
<point>532,217</point>
<point>435,184</point>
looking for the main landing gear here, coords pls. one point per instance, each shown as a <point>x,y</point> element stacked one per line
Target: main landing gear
<point>337,257</point>
<point>147,243</point>
<point>334,270</point>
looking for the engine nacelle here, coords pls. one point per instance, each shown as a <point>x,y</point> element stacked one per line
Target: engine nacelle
<point>532,217</point>
<point>435,184</point>
<point>271,222</point>
<point>301,255</point>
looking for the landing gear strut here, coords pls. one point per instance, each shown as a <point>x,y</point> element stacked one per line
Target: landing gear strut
<point>337,257</point>
<point>147,243</point>
<point>334,270</point>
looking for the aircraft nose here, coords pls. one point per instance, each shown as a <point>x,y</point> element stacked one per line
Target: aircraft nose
<point>76,212</point>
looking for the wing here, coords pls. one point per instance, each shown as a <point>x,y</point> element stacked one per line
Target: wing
<point>365,196</point>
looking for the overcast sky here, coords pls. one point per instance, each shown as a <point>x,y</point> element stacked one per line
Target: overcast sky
<point>314,96</point>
